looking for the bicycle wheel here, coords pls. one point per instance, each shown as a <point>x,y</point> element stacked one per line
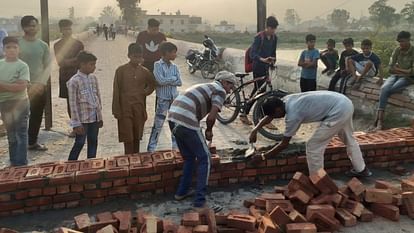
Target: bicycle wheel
<point>209,69</point>
<point>274,130</point>
<point>230,109</point>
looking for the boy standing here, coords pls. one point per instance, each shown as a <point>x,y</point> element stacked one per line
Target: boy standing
<point>329,57</point>
<point>132,84</point>
<point>14,103</point>
<point>168,78</point>
<point>66,50</point>
<point>401,69</point>
<point>342,73</point>
<point>366,63</point>
<point>309,62</point>
<point>150,40</point>
<point>35,53</point>
<point>85,106</point>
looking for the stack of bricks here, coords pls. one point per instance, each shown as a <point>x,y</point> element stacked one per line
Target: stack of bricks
<point>88,182</point>
<point>306,205</point>
<point>371,91</point>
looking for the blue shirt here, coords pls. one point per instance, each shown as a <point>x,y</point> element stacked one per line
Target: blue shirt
<point>3,34</point>
<point>168,78</point>
<point>262,47</point>
<point>313,55</point>
<point>372,57</point>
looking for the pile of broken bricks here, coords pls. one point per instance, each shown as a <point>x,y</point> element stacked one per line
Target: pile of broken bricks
<point>306,205</point>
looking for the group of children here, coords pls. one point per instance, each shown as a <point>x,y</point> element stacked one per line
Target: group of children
<point>351,64</point>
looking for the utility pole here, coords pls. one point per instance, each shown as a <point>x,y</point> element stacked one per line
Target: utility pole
<point>261,15</point>
<point>44,11</point>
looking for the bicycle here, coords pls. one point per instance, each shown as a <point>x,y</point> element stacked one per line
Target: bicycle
<point>236,102</point>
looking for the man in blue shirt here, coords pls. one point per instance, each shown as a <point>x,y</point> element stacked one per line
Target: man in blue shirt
<point>309,62</point>
<point>366,63</point>
<point>263,54</point>
<point>3,34</point>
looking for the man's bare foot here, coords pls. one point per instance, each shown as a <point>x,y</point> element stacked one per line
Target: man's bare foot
<point>245,120</point>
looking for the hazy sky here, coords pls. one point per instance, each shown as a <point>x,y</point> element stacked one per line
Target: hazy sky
<point>234,11</point>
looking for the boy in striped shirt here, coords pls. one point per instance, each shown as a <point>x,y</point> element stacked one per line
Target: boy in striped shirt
<point>184,118</point>
<point>168,78</point>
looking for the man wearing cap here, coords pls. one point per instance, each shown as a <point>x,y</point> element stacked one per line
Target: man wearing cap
<point>184,117</point>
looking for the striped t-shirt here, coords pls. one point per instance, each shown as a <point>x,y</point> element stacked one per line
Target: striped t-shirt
<point>195,103</point>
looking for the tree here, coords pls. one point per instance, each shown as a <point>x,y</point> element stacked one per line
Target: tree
<point>339,18</point>
<point>382,15</point>
<point>108,15</point>
<point>291,17</point>
<point>129,10</point>
<point>408,13</point>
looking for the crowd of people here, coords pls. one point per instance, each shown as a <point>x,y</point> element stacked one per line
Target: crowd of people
<point>25,71</point>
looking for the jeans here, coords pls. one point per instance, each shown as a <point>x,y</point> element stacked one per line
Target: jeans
<point>15,116</point>
<point>196,154</point>
<point>37,107</point>
<point>307,85</point>
<point>91,133</point>
<point>160,114</point>
<point>392,85</point>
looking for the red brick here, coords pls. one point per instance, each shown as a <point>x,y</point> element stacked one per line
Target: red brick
<point>72,204</point>
<point>140,170</point>
<point>119,190</point>
<point>184,229</point>
<point>397,199</point>
<point>35,192</point>
<point>62,189</point>
<point>85,165</point>
<point>96,226</point>
<point>382,196</point>
<point>305,182</point>
<point>134,160</point>
<point>38,201</point>
<point>59,169</point>
<point>323,182</point>
<point>87,176</point>
<point>20,195</point>
<point>286,205</point>
<point>326,210</point>
<point>5,197</point>
<point>117,172</point>
<point>243,222</point>
<point>407,185</point>
<point>279,216</point>
<point>33,172</point>
<point>7,230</point>
<point>354,207</point>
<point>356,186</point>
<point>82,222</point>
<point>297,217</point>
<point>95,193</point>
<point>110,163</point>
<point>122,161</point>
<point>381,184</point>
<point>325,223</point>
<point>169,226</point>
<point>408,203</point>
<point>62,178</point>
<point>97,163</point>
<point>106,184</point>
<point>104,216</point>
<point>46,171</point>
<point>35,182</point>
<point>300,195</point>
<point>300,228</point>
<point>8,185</point>
<point>13,205</point>
<point>66,197</point>
<point>76,188</point>
<point>387,211</point>
<point>59,206</point>
<point>124,218</point>
<point>72,166</point>
<point>146,158</point>
<point>119,182</point>
<point>200,229</point>
<point>346,218</point>
<point>191,219</point>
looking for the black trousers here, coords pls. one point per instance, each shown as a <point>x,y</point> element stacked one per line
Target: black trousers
<point>37,107</point>
<point>307,85</point>
<point>339,76</point>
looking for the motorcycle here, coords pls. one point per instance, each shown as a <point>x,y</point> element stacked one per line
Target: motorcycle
<point>205,61</point>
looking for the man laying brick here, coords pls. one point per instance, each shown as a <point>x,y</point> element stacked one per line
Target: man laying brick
<point>184,116</point>
<point>332,109</point>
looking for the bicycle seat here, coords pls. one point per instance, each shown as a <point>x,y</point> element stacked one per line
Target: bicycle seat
<point>240,75</point>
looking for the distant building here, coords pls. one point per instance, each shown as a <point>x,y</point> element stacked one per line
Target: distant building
<point>171,23</point>
<point>11,25</point>
<point>225,27</point>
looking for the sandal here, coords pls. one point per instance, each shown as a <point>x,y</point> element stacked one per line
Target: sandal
<point>37,146</point>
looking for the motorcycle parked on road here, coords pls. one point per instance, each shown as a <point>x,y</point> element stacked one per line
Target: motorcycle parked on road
<point>205,61</point>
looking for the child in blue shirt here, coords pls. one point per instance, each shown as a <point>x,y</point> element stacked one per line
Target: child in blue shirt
<point>309,62</point>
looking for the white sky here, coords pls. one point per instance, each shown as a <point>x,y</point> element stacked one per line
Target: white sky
<point>235,11</point>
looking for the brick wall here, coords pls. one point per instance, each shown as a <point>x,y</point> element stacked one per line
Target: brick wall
<point>89,182</point>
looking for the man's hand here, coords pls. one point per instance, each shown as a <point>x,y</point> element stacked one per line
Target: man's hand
<point>79,130</point>
<point>100,124</point>
<point>209,135</point>
<point>36,89</point>
<point>253,136</point>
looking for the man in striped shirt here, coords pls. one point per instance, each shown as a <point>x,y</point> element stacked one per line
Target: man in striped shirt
<point>167,75</point>
<point>184,117</point>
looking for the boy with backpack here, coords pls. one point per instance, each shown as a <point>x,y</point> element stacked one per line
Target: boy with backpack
<point>259,56</point>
